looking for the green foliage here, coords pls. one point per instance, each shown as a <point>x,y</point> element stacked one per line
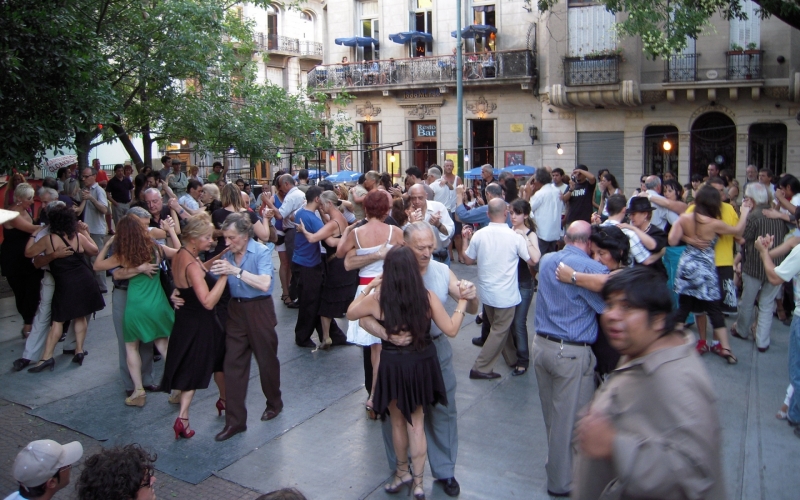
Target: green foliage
<point>665,25</point>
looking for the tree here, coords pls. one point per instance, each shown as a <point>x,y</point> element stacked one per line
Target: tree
<point>664,25</point>
<point>48,85</point>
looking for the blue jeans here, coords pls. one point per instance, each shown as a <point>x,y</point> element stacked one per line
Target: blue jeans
<point>794,368</point>
<point>519,327</point>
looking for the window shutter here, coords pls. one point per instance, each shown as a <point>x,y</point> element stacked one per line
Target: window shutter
<point>744,32</point>
<point>598,150</point>
<point>591,29</point>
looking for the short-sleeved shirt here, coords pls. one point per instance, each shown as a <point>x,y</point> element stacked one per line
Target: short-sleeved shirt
<point>292,202</point>
<point>217,218</point>
<point>307,254</point>
<point>790,270</point>
<point>102,176</point>
<point>213,177</point>
<point>257,260</point>
<point>358,208</point>
<point>188,202</point>
<point>497,248</point>
<point>723,251</point>
<point>580,203</point>
<point>120,190</point>
<point>91,215</point>
<point>437,280</point>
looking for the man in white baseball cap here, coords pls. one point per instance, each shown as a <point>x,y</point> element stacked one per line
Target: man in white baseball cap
<point>42,468</point>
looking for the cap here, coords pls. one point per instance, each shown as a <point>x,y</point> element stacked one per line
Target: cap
<point>40,460</point>
<point>7,215</point>
<point>639,204</point>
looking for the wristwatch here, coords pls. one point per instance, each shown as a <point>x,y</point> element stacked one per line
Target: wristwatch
<point>574,277</point>
<point>239,275</point>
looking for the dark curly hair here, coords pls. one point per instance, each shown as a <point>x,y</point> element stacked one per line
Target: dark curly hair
<point>63,221</point>
<point>115,474</point>
<point>612,238</point>
<point>404,299</point>
<point>132,244</point>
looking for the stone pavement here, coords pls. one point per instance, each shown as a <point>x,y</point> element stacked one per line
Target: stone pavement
<point>322,443</point>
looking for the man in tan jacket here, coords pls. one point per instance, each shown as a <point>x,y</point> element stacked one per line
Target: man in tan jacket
<point>652,430</point>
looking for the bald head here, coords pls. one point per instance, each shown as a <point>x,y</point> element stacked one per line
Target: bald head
<point>497,210</point>
<point>578,235</point>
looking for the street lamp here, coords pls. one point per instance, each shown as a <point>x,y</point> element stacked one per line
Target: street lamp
<point>534,133</point>
<point>559,150</point>
<point>667,145</point>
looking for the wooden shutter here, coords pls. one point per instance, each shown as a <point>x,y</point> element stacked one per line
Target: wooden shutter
<point>591,29</point>
<point>746,31</point>
<point>598,150</point>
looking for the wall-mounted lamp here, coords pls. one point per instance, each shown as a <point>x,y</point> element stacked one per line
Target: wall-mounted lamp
<point>559,150</point>
<point>534,133</point>
<point>183,141</point>
<point>333,156</point>
<point>666,145</point>
<point>466,157</point>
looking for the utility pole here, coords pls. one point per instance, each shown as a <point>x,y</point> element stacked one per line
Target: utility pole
<point>459,90</point>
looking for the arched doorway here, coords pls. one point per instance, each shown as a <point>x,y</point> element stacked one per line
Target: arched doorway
<point>713,141</point>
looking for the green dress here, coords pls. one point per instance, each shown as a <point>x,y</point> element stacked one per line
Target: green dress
<point>148,313</point>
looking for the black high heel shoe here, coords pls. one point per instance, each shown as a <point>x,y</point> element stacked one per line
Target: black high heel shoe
<point>48,363</point>
<point>78,357</point>
<point>402,484</point>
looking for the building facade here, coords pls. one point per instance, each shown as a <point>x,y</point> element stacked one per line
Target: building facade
<point>538,81</point>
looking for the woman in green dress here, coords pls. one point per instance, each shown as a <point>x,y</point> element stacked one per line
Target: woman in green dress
<point>148,314</point>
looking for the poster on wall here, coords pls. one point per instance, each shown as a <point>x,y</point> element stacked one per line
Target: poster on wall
<point>515,158</point>
<point>345,160</point>
<point>452,156</point>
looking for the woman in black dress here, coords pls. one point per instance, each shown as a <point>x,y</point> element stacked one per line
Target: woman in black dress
<point>197,343</point>
<point>22,276</point>
<point>409,377</point>
<point>77,294</point>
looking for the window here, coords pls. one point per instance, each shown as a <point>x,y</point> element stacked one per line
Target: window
<point>369,27</point>
<point>272,28</point>
<point>591,29</point>
<point>482,14</point>
<point>274,76</point>
<point>745,32</point>
<point>421,20</point>
<point>306,26</point>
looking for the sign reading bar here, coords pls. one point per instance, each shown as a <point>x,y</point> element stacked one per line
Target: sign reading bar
<point>426,130</point>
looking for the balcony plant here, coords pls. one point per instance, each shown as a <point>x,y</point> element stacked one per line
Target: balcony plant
<point>752,48</point>
<point>603,54</point>
<point>735,49</point>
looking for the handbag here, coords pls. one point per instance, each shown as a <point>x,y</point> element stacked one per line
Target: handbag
<point>165,275</point>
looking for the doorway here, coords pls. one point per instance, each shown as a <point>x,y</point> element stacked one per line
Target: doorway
<point>482,142</point>
<point>424,135</point>
<point>661,150</point>
<point>713,141</point>
<point>767,147</point>
<point>369,141</point>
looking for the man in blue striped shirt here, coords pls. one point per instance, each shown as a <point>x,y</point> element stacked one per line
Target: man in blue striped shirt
<point>566,325</point>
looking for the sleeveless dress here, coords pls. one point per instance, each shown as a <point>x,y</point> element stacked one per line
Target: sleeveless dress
<point>23,277</point>
<point>339,287</point>
<point>77,293</point>
<point>410,376</point>
<point>356,334</point>
<point>148,313</point>
<point>194,345</point>
<point>697,273</point>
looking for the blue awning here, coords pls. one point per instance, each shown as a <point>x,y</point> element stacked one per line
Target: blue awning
<point>357,41</point>
<point>475,173</point>
<point>313,174</point>
<point>411,36</point>
<point>344,176</point>
<point>475,30</point>
<point>520,170</point>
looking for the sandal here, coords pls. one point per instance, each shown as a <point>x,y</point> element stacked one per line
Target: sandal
<point>286,300</point>
<point>725,353</point>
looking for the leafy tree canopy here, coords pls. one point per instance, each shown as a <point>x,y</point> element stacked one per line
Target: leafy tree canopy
<point>664,25</point>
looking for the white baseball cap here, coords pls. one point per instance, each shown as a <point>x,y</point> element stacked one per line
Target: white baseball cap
<point>41,460</point>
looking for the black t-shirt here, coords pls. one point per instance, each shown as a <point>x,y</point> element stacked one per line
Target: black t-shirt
<point>218,217</point>
<point>120,190</point>
<point>580,203</point>
<point>165,212</point>
<point>661,241</point>
<point>523,271</point>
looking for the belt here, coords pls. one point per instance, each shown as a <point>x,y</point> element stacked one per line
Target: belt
<point>557,340</point>
<point>365,281</point>
<point>251,299</point>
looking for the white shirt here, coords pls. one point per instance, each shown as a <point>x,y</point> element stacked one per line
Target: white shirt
<point>497,248</point>
<point>441,193</point>
<point>447,222</point>
<point>91,216</point>
<point>188,202</point>
<point>15,496</point>
<point>292,202</point>
<point>546,208</point>
<point>659,217</point>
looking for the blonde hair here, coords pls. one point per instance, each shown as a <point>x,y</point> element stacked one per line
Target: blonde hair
<point>328,197</point>
<point>211,189</point>
<point>24,192</point>
<point>197,226</point>
<point>193,170</point>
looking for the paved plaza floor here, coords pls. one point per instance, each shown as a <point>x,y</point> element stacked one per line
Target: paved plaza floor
<point>322,442</point>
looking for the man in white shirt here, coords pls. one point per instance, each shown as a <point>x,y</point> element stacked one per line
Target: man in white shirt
<point>546,209</point>
<point>435,214</point>
<point>94,215</point>
<point>43,468</point>
<point>452,181</point>
<point>441,188</point>
<point>293,200</point>
<point>659,218</point>
<point>191,200</point>
<point>498,249</point>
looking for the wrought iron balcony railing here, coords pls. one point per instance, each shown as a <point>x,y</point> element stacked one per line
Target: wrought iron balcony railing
<point>267,42</point>
<point>600,70</point>
<point>680,68</point>
<point>507,64</point>
<point>745,64</point>
<point>310,48</point>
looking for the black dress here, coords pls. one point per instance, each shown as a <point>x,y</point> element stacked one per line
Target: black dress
<point>339,288</point>
<point>22,276</point>
<point>413,377</point>
<point>196,345</point>
<point>77,293</point>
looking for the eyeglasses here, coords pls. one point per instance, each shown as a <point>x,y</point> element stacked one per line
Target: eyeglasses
<point>87,176</point>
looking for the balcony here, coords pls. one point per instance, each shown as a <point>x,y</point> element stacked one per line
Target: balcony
<point>509,66</point>
<point>591,70</point>
<point>311,49</point>
<point>681,68</point>
<point>745,64</point>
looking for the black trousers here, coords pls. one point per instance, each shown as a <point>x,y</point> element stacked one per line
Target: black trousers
<point>26,294</point>
<point>309,296</point>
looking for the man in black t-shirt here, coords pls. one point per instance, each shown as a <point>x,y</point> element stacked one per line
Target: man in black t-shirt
<point>580,195</point>
<point>119,189</point>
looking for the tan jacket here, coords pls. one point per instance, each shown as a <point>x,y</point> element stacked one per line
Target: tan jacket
<point>668,442</point>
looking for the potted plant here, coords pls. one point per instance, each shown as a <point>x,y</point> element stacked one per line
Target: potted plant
<point>752,48</point>
<point>735,49</point>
